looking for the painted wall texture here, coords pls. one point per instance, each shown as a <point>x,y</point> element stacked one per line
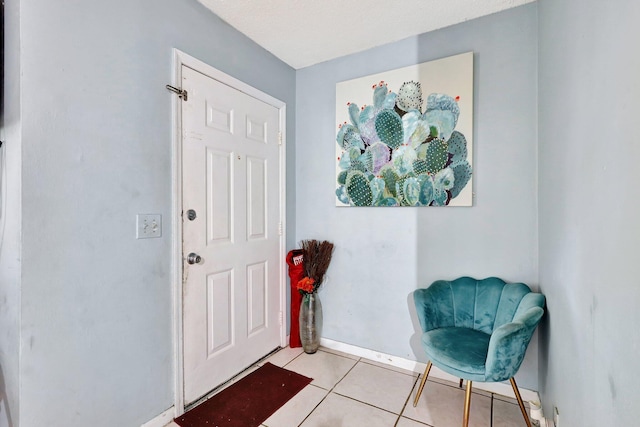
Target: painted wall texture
<point>383,254</point>
<point>96,313</point>
<point>589,63</point>
<point>10,220</point>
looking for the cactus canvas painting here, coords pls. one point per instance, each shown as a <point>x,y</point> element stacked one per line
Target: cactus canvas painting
<point>397,147</point>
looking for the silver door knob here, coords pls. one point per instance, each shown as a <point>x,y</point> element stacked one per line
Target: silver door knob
<point>194,258</point>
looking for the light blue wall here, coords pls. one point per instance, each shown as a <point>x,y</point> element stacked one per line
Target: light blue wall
<point>589,64</point>
<point>10,220</point>
<point>382,255</point>
<point>96,303</point>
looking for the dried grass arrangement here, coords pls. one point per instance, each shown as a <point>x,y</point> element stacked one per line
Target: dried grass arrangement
<point>317,257</point>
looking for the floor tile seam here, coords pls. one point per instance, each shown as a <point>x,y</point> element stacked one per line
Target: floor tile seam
<point>335,391</point>
<point>357,358</point>
<point>328,391</point>
<point>315,407</point>
<point>367,361</point>
<point>414,419</point>
<point>452,386</point>
<point>347,373</point>
<point>406,401</point>
<point>491,412</point>
<point>290,361</point>
<point>364,403</point>
<point>339,353</point>
<point>456,387</point>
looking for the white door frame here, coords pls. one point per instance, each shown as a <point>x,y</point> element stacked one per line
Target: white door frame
<point>179,59</point>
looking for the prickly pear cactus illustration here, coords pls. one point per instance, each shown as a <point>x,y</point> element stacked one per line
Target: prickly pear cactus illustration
<point>457,146</point>
<point>348,137</point>
<point>409,96</point>
<point>375,157</point>
<point>442,114</point>
<point>436,156</point>
<point>392,154</point>
<point>462,175</point>
<point>377,190</point>
<point>420,167</point>
<point>358,189</point>
<point>389,128</point>
<point>354,114</point>
<point>390,178</point>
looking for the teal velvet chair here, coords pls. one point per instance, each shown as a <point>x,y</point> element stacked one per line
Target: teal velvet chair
<point>477,330</point>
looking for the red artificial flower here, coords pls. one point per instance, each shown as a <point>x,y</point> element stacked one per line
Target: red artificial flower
<point>306,285</point>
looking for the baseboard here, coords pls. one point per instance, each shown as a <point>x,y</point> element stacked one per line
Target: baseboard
<point>503,389</point>
<point>161,420</point>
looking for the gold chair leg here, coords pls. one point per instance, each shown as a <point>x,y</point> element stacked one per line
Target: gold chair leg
<point>467,405</point>
<point>519,399</point>
<point>424,380</point>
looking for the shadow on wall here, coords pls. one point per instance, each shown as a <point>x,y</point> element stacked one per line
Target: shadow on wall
<point>415,341</point>
<point>5,413</point>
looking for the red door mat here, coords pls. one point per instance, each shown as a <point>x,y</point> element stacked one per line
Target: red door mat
<point>248,402</point>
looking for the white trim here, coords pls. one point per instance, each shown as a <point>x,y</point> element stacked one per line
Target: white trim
<point>503,389</point>
<point>176,236</point>
<point>161,420</point>
<point>284,341</point>
<point>179,59</point>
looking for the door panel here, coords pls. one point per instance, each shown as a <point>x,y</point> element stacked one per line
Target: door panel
<point>231,172</point>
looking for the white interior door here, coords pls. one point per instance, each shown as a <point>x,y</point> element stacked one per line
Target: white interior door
<point>230,175</point>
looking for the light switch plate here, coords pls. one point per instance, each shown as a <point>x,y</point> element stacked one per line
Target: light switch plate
<point>148,226</point>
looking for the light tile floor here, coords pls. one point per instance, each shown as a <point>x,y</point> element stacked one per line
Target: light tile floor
<point>349,391</point>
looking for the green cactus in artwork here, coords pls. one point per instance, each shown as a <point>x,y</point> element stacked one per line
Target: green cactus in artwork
<point>379,95</point>
<point>408,191</point>
<point>420,134</point>
<point>377,189</point>
<point>399,191</point>
<point>420,167</point>
<point>436,156</point>
<point>426,190</point>
<point>354,114</point>
<point>409,96</point>
<point>411,191</point>
<point>391,154</point>
<point>457,146</point>
<point>357,165</point>
<point>342,177</point>
<point>341,194</point>
<point>462,173</point>
<point>349,137</point>
<point>442,114</point>
<point>375,156</point>
<point>403,159</point>
<point>389,128</point>
<point>390,178</point>
<point>358,189</point>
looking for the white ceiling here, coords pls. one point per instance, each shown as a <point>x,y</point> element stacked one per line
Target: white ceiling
<point>306,32</point>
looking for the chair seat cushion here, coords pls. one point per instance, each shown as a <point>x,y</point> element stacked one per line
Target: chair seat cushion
<point>458,351</point>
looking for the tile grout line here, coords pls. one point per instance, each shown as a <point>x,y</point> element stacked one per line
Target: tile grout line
<point>377,407</point>
<point>406,401</point>
<point>491,411</point>
<point>334,386</point>
<point>409,398</point>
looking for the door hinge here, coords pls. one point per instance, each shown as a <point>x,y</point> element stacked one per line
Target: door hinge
<point>279,138</point>
<point>280,228</point>
<point>180,92</point>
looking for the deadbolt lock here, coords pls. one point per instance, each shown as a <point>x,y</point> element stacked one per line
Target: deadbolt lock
<point>191,214</point>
